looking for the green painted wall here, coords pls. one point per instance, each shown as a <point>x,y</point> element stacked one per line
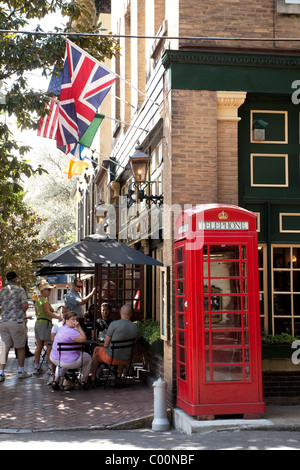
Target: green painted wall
<point>256,73</point>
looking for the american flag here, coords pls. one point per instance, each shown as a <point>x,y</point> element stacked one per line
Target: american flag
<point>55,83</point>
<point>48,124</point>
<point>85,84</point>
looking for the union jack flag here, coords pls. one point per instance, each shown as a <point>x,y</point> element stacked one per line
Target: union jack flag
<point>85,84</point>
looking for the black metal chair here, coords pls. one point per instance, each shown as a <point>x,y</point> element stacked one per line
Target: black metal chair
<point>120,376</point>
<point>44,359</point>
<point>72,376</point>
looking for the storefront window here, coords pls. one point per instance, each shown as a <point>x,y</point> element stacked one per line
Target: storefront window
<point>286,289</point>
<point>119,285</point>
<point>263,283</point>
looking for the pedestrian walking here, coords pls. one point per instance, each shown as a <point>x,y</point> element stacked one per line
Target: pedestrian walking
<point>2,352</point>
<point>13,302</point>
<point>43,326</point>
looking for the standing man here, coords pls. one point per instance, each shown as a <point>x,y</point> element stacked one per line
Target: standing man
<point>75,301</point>
<point>13,302</point>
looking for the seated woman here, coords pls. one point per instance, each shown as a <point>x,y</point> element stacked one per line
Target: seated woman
<point>70,332</point>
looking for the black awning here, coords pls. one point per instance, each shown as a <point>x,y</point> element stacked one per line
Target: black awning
<point>84,255</point>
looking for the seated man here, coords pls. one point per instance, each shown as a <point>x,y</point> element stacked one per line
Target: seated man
<point>103,323</point>
<point>118,330</point>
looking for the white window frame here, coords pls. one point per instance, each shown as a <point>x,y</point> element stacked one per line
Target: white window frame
<point>288,7</point>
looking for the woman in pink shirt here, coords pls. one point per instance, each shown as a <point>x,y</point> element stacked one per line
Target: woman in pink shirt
<point>70,332</point>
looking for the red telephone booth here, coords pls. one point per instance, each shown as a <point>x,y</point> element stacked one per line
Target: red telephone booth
<point>218,343</point>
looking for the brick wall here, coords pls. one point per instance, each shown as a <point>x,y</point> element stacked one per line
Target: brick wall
<point>237,18</point>
<point>194,147</point>
<point>159,14</point>
<point>281,387</point>
<point>190,174</point>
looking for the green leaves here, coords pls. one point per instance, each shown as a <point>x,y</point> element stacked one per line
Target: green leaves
<point>20,244</point>
<point>23,53</point>
<point>20,54</point>
<point>149,330</point>
<point>12,169</point>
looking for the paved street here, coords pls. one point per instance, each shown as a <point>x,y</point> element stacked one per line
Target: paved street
<point>148,440</point>
<point>31,404</point>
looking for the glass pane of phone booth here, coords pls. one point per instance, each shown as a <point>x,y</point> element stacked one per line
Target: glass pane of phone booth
<point>226,313</point>
<point>180,313</point>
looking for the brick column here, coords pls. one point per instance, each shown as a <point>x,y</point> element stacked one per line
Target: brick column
<point>190,177</point>
<point>228,105</point>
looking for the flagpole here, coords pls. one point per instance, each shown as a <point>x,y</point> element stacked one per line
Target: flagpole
<point>110,71</point>
<point>120,99</point>
<point>99,164</point>
<point>126,123</point>
<point>109,158</point>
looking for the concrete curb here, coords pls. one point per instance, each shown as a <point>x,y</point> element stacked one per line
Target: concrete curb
<point>188,425</point>
<point>138,423</point>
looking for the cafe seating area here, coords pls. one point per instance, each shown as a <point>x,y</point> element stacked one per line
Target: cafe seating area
<point>32,405</point>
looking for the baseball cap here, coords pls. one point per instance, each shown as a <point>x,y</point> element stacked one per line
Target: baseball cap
<point>11,276</point>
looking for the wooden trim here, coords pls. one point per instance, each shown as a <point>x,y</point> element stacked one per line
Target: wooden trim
<point>286,185</point>
<point>285,141</point>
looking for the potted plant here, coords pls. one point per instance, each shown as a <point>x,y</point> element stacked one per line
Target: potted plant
<point>278,346</point>
<point>149,332</point>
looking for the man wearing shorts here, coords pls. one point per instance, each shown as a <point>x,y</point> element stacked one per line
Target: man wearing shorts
<point>13,302</point>
<point>118,330</point>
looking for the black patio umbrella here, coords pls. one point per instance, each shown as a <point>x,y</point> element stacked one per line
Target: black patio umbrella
<point>81,257</point>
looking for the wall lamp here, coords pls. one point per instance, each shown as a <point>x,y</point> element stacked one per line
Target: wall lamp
<point>139,163</point>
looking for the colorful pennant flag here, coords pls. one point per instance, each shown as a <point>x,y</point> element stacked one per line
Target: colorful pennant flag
<point>75,167</point>
<point>85,84</point>
<point>88,136</point>
<point>78,151</point>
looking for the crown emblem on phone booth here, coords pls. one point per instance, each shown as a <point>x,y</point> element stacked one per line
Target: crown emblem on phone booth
<point>223,216</point>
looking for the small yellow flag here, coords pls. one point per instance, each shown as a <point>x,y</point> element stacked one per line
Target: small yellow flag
<point>75,167</point>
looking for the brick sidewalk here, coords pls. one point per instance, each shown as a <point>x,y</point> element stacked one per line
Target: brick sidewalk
<point>31,404</point>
